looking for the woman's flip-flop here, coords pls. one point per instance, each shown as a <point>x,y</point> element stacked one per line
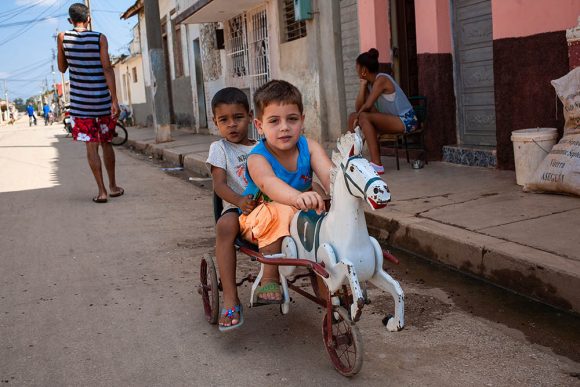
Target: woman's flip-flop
<point>117,194</point>
<point>229,313</point>
<point>99,200</point>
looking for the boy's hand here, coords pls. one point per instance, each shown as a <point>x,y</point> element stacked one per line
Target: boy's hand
<point>246,204</point>
<point>310,201</point>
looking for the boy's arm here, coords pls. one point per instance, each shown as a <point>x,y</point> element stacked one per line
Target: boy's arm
<point>223,190</point>
<point>109,74</point>
<point>62,63</point>
<point>321,164</point>
<point>277,190</point>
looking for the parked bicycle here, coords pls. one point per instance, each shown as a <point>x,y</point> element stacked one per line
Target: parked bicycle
<point>121,136</point>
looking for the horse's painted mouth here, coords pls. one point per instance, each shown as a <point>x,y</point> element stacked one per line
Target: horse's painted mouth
<point>376,205</point>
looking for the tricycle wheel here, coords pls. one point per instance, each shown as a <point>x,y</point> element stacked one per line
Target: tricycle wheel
<point>343,342</point>
<point>209,289</point>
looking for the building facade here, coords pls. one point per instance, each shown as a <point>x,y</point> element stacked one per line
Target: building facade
<point>484,65</point>
<point>130,83</point>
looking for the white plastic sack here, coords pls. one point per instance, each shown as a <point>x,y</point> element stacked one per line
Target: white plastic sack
<point>560,170</point>
<point>568,90</point>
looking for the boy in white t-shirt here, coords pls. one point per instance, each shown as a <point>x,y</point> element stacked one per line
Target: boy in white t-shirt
<point>227,164</point>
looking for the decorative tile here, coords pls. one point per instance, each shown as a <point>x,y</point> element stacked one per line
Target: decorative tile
<point>471,156</point>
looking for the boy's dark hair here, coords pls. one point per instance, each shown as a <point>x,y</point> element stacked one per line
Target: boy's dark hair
<point>369,60</point>
<point>230,96</point>
<point>276,91</point>
<point>78,13</point>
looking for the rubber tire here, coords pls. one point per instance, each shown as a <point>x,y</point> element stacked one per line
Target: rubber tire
<point>209,289</point>
<point>121,136</point>
<point>352,334</point>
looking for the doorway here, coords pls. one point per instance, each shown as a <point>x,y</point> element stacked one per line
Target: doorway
<point>473,71</point>
<point>404,45</point>
<point>199,85</point>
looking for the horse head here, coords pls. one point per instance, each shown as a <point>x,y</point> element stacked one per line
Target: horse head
<point>360,178</point>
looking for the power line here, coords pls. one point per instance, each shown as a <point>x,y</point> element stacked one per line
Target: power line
<point>7,15</point>
<point>32,20</point>
<point>22,80</point>
<point>32,24</point>
<point>43,60</point>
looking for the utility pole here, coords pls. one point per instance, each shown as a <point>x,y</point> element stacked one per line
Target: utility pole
<point>7,103</point>
<point>55,94</point>
<point>88,4</point>
<point>129,80</point>
<point>55,36</point>
<point>159,88</point>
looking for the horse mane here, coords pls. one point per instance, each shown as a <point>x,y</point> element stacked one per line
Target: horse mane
<point>349,144</point>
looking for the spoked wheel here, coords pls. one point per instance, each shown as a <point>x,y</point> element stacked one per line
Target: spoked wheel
<point>343,342</point>
<point>120,135</point>
<point>209,289</point>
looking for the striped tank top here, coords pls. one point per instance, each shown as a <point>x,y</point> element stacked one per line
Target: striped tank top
<point>89,94</point>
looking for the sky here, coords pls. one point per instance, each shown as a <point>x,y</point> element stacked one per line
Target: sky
<point>27,29</point>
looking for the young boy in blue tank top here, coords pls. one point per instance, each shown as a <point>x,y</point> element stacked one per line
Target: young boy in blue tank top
<point>280,170</point>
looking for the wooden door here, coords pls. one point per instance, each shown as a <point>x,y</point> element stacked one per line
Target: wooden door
<point>404,43</point>
<point>473,65</point>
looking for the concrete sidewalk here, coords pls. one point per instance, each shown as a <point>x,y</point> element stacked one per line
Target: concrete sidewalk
<point>476,220</point>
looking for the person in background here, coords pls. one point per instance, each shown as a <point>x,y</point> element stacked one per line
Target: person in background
<point>93,98</point>
<point>46,113</point>
<point>31,116</point>
<point>381,106</point>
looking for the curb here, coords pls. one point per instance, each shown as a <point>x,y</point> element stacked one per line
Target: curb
<point>530,272</point>
<point>190,161</point>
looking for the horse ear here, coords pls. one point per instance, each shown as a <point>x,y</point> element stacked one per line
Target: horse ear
<point>358,142</point>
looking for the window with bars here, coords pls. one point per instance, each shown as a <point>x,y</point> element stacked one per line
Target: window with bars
<point>292,29</point>
<point>260,57</point>
<point>238,46</point>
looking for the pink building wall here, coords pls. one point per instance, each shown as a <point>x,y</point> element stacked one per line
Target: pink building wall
<point>374,30</point>
<point>433,26</point>
<point>517,18</point>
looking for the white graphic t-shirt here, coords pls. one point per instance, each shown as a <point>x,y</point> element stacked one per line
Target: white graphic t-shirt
<point>231,158</point>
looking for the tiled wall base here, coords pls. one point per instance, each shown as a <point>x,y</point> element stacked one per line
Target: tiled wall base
<point>472,156</point>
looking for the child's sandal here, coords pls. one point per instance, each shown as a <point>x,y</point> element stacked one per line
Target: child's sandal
<point>230,313</point>
<point>270,287</point>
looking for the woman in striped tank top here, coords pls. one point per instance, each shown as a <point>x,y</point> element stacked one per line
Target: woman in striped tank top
<point>93,100</point>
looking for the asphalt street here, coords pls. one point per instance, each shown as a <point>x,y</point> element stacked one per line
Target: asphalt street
<point>106,295</point>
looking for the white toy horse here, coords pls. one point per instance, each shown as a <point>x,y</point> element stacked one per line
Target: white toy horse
<point>340,237</point>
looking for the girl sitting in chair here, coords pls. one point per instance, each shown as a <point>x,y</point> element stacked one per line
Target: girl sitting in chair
<point>381,106</point>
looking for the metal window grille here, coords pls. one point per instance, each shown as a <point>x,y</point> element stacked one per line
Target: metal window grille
<point>259,50</point>
<point>247,49</point>
<point>293,29</point>
<point>259,54</point>
<point>237,47</point>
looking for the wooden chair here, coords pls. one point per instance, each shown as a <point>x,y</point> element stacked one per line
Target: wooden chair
<point>413,140</point>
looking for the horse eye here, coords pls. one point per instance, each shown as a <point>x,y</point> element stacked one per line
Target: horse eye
<point>376,190</point>
<point>352,168</point>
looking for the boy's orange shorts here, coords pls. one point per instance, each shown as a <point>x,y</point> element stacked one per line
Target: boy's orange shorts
<point>267,223</point>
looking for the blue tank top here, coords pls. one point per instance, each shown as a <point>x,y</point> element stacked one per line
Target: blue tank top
<point>301,179</point>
